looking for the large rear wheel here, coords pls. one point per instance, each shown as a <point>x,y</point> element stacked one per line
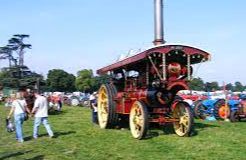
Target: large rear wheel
<point>139,120</point>
<point>182,112</point>
<point>107,116</point>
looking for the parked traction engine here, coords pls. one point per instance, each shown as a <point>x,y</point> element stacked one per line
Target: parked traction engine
<point>144,86</point>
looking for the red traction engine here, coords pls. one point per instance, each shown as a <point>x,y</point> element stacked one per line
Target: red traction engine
<point>143,89</point>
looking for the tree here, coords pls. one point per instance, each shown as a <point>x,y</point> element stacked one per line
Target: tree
<point>238,87</point>
<point>85,80</point>
<point>197,84</point>
<point>215,86</point>
<point>16,43</point>
<point>19,77</point>
<point>229,87</point>
<point>212,86</point>
<point>8,80</point>
<point>59,80</point>
<point>6,52</point>
<point>99,80</point>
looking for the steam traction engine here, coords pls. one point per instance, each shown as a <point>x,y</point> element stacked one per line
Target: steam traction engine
<point>144,86</point>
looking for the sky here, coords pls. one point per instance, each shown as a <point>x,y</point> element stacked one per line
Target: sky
<point>90,34</point>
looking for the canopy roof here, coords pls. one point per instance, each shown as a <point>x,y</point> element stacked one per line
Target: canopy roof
<point>177,53</point>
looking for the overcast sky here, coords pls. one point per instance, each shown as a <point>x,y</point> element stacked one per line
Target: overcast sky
<point>78,34</point>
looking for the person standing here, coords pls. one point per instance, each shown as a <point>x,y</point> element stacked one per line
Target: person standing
<point>93,103</point>
<point>59,102</point>
<point>29,97</point>
<point>19,107</point>
<point>40,110</point>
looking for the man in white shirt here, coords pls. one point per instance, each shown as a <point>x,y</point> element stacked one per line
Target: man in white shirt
<point>40,110</point>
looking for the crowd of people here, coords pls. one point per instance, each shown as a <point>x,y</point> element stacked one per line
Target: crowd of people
<point>32,104</point>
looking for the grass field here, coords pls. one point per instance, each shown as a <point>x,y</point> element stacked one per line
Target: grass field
<point>78,138</point>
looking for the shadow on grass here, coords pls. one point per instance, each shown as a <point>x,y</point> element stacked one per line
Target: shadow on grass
<point>168,129</point>
<point>151,134</point>
<point>27,138</point>
<point>203,125</point>
<point>15,154</point>
<point>39,157</point>
<point>56,135</point>
<point>56,112</point>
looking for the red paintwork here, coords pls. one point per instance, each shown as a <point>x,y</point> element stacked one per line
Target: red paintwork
<point>143,55</point>
<point>234,97</point>
<point>162,120</point>
<point>126,99</point>
<point>180,83</point>
<point>157,93</point>
<point>193,97</point>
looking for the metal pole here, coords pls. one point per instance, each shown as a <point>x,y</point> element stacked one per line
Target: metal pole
<point>164,66</point>
<point>188,67</point>
<point>147,74</point>
<point>159,38</point>
<point>156,70</point>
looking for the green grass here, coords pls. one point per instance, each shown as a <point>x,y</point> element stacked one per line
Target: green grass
<point>78,138</point>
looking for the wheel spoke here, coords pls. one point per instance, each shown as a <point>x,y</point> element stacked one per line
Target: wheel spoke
<point>137,120</point>
<point>184,120</point>
<point>135,112</point>
<point>183,126</point>
<point>103,112</point>
<point>103,100</point>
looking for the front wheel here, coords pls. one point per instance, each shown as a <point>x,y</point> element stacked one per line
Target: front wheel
<point>200,110</point>
<point>85,103</point>
<point>234,116</point>
<point>139,120</point>
<point>74,101</point>
<point>183,114</point>
<point>221,110</point>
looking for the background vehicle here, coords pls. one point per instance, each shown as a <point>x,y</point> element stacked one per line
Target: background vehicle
<point>220,109</point>
<point>206,108</point>
<point>238,112</point>
<point>78,99</point>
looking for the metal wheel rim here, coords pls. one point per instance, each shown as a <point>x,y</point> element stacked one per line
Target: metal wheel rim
<point>222,112</point>
<point>136,120</point>
<point>182,126</point>
<point>74,102</point>
<point>103,107</point>
<point>203,111</point>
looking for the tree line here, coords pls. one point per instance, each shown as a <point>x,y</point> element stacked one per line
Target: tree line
<point>199,85</point>
<point>86,81</point>
<point>57,80</point>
